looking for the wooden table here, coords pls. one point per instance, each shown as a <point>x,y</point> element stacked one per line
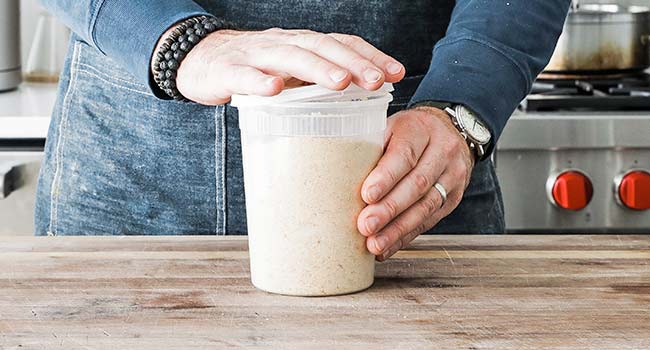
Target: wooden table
<point>445,292</point>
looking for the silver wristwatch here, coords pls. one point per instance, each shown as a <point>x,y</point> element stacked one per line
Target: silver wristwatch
<point>471,128</point>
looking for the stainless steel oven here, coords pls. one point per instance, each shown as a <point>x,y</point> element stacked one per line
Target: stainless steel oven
<point>576,157</point>
<point>581,172</point>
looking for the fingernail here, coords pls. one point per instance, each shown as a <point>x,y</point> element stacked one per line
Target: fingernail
<point>373,193</point>
<point>381,242</point>
<point>394,68</point>
<point>371,224</point>
<point>270,81</point>
<point>371,75</point>
<point>338,75</point>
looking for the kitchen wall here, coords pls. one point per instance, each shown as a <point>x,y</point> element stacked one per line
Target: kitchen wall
<point>48,58</point>
<point>29,11</point>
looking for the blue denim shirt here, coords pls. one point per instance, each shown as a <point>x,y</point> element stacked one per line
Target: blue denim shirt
<point>487,59</point>
<point>120,160</point>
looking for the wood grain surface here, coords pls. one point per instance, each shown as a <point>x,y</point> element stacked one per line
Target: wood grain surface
<point>444,292</point>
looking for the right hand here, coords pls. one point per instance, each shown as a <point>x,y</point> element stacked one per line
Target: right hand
<point>229,62</point>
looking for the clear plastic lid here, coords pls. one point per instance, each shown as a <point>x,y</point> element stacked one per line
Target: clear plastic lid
<point>312,94</point>
<point>315,111</point>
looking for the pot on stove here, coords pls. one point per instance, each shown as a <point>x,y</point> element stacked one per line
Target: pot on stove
<point>603,38</point>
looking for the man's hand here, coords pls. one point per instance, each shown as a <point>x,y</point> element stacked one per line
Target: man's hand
<point>229,62</point>
<point>422,147</point>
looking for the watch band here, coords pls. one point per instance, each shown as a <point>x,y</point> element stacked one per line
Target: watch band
<point>436,104</point>
<point>479,150</point>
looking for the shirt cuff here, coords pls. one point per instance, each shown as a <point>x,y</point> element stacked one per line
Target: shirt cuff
<point>475,74</point>
<point>128,31</point>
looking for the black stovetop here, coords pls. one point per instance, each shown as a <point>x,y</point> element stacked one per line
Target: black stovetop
<point>590,93</point>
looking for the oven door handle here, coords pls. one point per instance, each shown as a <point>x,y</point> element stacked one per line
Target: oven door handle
<point>9,176</point>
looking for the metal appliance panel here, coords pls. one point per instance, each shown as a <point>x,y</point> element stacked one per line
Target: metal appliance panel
<point>523,176</point>
<point>560,130</point>
<point>534,146</point>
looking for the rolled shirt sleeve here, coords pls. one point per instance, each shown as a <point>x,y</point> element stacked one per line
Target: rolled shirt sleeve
<point>126,31</point>
<point>491,54</point>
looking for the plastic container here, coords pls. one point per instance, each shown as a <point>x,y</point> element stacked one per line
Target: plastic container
<point>306,153</point>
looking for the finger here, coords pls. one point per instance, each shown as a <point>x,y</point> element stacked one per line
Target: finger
<point>364,72</point>
<point>421,216</point>
<point>457,175</point>
<point>282,31</point>
<point>394,70</point>
<point>401,156</point>
<point>300,63</point>
<point>250,81</point>
<point>402,243</point>
<point>408,191</point>
<point>413,219</point>
<point>240,80</point>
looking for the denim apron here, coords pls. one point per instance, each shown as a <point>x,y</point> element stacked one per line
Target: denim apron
<point>119,161</point>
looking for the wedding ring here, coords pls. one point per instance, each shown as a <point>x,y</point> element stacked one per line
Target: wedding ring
<point>443,192</point>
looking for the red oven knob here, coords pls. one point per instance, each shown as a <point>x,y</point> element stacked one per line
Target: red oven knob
<point>571,190</point>
<point>634,190</point>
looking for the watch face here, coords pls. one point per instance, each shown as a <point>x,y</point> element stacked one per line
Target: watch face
<point>472,125</point>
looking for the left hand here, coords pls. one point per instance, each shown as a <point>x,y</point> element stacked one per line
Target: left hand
<point>422,147</point>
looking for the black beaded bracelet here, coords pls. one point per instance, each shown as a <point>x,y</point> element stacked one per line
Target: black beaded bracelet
<point>172,51</point>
